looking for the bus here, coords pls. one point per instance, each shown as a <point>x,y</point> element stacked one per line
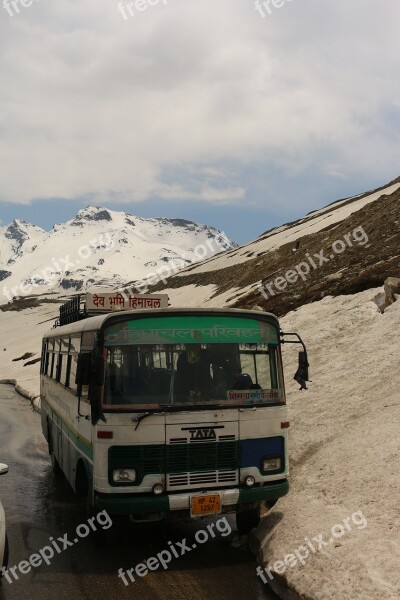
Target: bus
<point>164,412</point>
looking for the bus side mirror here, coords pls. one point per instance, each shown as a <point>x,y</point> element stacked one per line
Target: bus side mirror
<point>83,369</point>
<point>302,375</point>
<point>98,369</point>
<point>96,383</point>
<point>3,469</point>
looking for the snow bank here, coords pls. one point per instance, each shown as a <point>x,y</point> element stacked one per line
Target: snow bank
<point>204,295</point>
<point>34,399</point>
<point>344,456</point>
<point>21,333</point>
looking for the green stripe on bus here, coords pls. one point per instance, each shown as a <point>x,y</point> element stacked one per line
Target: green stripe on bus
<point>125,505</point>
<point>272,491</point>
<point>85,447</point>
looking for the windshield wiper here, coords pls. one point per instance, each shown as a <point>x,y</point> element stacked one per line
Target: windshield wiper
<point>140,418</point>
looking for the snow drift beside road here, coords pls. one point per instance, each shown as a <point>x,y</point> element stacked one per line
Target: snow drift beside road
<point>344,452</point>
<point>21,333</point>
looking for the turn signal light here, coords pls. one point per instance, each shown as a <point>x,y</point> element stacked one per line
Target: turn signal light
<point>105,435</point>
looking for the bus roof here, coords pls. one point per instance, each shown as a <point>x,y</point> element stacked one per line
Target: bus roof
<point>97,322</point>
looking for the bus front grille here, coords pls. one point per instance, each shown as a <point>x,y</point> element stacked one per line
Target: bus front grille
<point>194,464</point>
<point>199,479</point>
<point>187,465</point>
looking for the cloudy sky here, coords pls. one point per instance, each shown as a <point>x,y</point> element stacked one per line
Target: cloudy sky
<point>208,110</point>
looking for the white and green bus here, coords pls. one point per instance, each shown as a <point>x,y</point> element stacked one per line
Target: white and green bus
<point>160,412</point>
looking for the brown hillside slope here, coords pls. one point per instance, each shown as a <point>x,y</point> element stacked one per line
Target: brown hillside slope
<point>357,268</point>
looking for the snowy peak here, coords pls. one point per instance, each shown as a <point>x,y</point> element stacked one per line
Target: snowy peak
<point>21,230</point>
<point>17,239</point>
<point>91,213</point>
<point>99,246</point>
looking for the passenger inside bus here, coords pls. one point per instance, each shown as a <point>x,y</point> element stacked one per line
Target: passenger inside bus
<point>193,376</point>
<point>245,382</point>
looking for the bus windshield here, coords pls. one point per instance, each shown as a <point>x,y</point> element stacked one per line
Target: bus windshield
<point>156,376</point>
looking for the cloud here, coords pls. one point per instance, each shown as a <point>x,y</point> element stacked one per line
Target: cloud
<point>98,106</point>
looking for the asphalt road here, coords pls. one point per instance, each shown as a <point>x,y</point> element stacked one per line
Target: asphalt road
<point>39,507</point>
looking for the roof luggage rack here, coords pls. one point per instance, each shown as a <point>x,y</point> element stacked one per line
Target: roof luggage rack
<point>72,311</point>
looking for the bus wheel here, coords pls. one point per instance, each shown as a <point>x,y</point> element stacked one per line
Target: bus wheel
<point>5,558</point>
<point>269,504</point>
<point>55,466</point>
<point>246,520</point>
<point>82,488</point>
<point>83,491</point>
<point>54,462</point>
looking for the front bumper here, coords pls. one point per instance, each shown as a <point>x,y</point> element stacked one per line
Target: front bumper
<point>231,499</point>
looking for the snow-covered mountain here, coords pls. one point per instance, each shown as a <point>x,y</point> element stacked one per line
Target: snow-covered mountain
<point>102,247</point>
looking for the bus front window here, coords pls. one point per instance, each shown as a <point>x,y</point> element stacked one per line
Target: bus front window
<point>156,376</point>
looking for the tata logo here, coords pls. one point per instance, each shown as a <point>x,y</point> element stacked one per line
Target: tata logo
<point>202,434</point>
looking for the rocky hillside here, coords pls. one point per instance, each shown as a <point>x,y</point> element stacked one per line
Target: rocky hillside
<point>349,246</point>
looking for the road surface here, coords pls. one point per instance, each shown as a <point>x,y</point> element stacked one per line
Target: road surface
<point>39,507</point>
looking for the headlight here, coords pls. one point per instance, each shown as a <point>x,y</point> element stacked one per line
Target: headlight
<point>249,481</point>
<point>271,464</point>
<point>124,475</point>
<point>158,489</point>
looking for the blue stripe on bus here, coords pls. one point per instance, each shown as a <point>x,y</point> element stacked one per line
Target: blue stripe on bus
<point>252,451</point>
<point>80,442</point>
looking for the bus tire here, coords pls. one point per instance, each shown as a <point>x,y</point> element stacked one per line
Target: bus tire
<point>82,489</point>
<point>246,520</point>
<point>269,504</point>
<point>57,471</point>
<point>6,555</point>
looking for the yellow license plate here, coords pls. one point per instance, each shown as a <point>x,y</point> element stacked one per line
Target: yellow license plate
<point>203,506</point>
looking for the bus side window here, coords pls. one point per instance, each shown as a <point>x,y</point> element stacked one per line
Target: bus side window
<point>52,361</point>
<point>75,344</point>
<point>64,360</point>
<point>58,367</point>
<point>68,374</point>
<point>73,360</point>
<point>49,360</point>
<point>45,358</point>
<point>46,362</point>
<point>42,363</point>
<point>74,349</point>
